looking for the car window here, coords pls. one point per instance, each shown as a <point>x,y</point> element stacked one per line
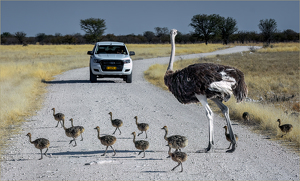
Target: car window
<point>111,49</point>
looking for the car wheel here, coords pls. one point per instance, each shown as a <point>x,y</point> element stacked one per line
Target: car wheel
<point>129,78</point>
<point>93,78</point>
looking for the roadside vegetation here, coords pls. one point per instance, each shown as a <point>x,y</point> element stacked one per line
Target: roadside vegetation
<point>22,69</point>
<point>272,76</point>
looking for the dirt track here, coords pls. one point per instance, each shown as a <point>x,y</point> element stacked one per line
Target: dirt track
<point>255,158</point>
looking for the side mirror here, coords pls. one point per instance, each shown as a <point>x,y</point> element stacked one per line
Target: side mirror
<point>131,53</point>
<point>90,52</point>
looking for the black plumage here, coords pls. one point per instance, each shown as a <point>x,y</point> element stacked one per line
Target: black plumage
<point>197,78</point>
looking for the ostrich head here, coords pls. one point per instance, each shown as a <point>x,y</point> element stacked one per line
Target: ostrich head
<point>173,33</point>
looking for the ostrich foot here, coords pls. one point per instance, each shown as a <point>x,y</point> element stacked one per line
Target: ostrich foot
<point>232,149</point>
<point>209,148</point>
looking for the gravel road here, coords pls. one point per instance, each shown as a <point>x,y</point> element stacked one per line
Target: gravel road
<point>256,158</point>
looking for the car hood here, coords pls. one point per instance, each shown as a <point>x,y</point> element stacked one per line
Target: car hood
<point>111,56</point>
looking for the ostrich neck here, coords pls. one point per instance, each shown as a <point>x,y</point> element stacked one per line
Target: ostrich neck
<point>53,112</point>
<point>30,139</point>
<point>133,138</point>
<point>72,123</point>
<point>170,67</point>
<point>279,123</point>
<point>166,134</point>
<point>98,130</point>
<point>111,117</point>
<point>136,122</point>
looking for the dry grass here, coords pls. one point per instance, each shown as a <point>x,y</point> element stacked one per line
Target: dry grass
<point>145,51</point>
<point>21,71</point>
<point>272,77</point>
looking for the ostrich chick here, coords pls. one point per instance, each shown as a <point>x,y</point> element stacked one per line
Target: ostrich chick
<point>142,126</point>
<point>175,141</point>
<point>107,140</point>
<point>140,144</point>
<point>178,157</point>
<point>40,143</point>
<point>228,136</point>
<point>71,132</point>
<point>246,116</point>
<point>117,123</point>
<point>81,128</point>
<point>286,128</point>
<point>58,117</point>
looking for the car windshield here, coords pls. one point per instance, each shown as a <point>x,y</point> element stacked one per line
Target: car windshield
<point>111,49</point>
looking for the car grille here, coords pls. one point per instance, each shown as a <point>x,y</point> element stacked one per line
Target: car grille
<point>106,64</point>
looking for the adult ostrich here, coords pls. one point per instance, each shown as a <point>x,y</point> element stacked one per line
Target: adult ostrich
<point>202,81</point>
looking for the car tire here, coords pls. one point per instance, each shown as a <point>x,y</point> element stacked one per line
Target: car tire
<point>129,78</point>
<point>93,78</point>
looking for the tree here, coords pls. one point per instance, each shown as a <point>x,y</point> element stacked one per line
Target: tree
<point>5,36</point>
<point>162,33</point>
<point>149,35</point>
<point>205,26</point>
<point>40,37</point>
<point>20,36</point>
<point>94,28</point>
<point>242,36</point>
<point>267,27</point>
<point>227,27</point>
<point>290,35</point>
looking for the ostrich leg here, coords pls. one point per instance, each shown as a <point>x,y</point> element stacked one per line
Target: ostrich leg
<point>225,111</point>
<point>209,115</point>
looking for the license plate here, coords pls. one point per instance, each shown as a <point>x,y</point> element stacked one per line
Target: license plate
<point>111,68</point>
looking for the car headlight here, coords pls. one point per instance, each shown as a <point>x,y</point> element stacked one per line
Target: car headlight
<point>96,61</point>
<point>127,61</point>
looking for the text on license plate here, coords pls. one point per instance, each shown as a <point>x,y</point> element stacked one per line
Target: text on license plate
<point>111,68</point>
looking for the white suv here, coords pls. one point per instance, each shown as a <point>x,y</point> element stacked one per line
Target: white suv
<point>110,59</point>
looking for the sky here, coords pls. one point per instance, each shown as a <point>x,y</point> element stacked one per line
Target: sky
<point>136,17</point>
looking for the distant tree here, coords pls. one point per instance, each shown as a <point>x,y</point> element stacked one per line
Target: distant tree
<point>290,35</point>
<point>242,36</point>
<point>149,35</point>
<point>40,37</point>
<point>267,27</point>
<point>57,39</point>
<point>205,26</point>
<point>227,27</point>
<point>69,39</point>
<point>110,37</point>
<point>21,37</point>
<point>94,28</point>
<point>79,38</point>
<point>5,36</point>
<point>162,34</point>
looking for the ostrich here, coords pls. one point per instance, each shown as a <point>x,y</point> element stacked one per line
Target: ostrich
<point>140,144</point>
<point>107,141</point>
<point>228,137</point>
<point>58,117</point>
<point>81,128</point>
<point>202,81</point>
<point>117,123</point>
<point>40,144</point>
<point>178,157</point>
<point>141,126</point>
<point>286,128</point>
<point>175,141</point>
<point>246,116</point>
